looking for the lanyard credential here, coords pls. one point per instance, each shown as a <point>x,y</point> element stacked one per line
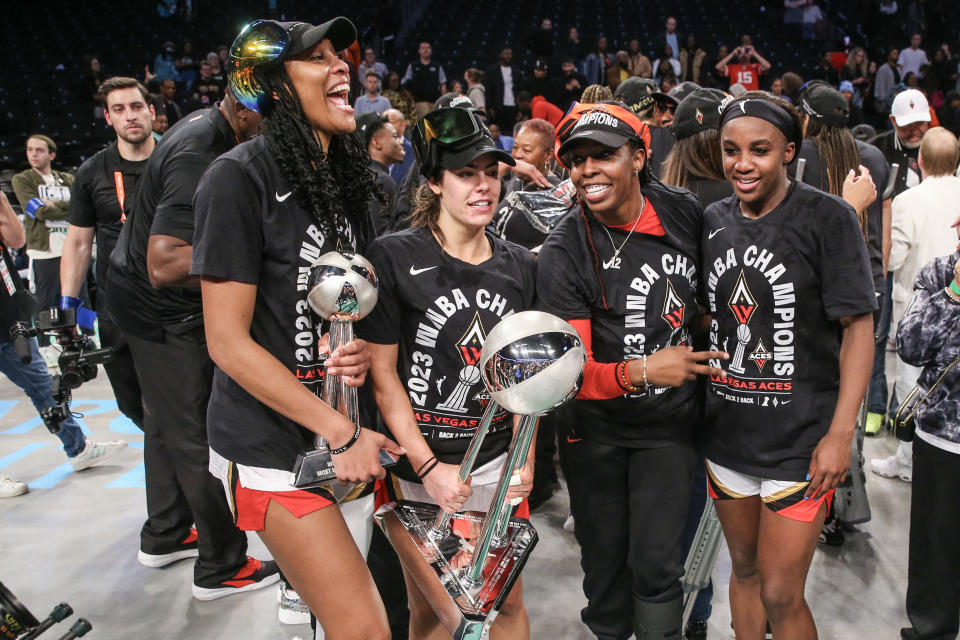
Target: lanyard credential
<point>118,182</point>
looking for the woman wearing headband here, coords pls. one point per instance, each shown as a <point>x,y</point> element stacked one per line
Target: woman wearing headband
<point>444,283</point>
<point>265,211</point>
<point>788,282</point>
<point>623,269</point>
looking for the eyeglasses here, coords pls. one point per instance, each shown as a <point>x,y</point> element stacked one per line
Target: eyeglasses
<point>260,44</point>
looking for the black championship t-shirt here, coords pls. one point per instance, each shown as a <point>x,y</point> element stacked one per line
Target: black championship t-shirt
<point>815,174</point>
<point>439,310</point>
<point>102,194</point>
<point>164,206</point>
<point>637,305</point>
<point>251,229</point>
<point>777,287</point>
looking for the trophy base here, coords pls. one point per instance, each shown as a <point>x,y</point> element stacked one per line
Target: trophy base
<point>316,469</point>
<point>439,563</point>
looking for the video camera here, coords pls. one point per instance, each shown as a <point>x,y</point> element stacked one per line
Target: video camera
<point>78,361</point>
<point>18,623</point>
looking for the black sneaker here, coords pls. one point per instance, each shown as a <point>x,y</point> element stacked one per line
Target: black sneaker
<point>696,630</point>
<point>254,575</point>
<point>831,533</point>
<point>186,549</point>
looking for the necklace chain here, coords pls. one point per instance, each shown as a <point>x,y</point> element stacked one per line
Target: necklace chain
<point>616,250</point>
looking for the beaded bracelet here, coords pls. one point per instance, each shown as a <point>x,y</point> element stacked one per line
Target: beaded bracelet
<point>646,383</point>
<point>624,379</point>
<point>350,442</point>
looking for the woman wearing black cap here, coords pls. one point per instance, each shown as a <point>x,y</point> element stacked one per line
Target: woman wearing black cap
<point>265,211</point>
<point>622,268</point>
<point>788,282</point>
<point>695,163</point>
<point>444,284</point>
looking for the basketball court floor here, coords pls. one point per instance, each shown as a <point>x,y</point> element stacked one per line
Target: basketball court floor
<point>74,538</point>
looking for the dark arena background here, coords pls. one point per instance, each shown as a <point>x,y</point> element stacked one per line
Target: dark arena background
<point>74,536</point>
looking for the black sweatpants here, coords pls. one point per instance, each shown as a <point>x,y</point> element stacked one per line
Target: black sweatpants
<point>933,573</point>
<point>121,372</point>
<point>629,508</point>
<point>176,377</point>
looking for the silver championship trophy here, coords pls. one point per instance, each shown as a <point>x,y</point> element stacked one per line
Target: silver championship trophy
<point>343,289</point>
<point>466,563</point>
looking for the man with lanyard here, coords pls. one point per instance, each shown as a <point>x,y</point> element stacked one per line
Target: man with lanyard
<point>102,195</point>
<point>158,306</point>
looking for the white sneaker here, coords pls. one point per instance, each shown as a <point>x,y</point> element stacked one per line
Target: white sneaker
<point>95,453</point>
<point>10,488</point>
<point>292,609</point>
<point>568,523</point>
<point>892,467</point>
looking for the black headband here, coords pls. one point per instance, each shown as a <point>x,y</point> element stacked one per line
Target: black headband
<point>765,110</point>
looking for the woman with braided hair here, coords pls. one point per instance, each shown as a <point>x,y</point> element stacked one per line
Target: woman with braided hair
<point>622,268</point>
<point>265,211</point>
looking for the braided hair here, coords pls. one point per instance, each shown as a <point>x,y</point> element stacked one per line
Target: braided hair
<point>335,186</point>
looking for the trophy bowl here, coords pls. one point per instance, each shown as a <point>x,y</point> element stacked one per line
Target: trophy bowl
<point>342,283</point>
<point>532,362</point>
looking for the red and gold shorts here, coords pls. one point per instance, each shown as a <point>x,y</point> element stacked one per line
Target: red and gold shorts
<point>783,497</point>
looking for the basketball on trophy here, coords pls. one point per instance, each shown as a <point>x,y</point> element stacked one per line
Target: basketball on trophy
<point>532,362</point>
<point>342,283</point>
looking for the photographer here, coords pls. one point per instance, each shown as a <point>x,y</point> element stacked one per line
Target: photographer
<point>744,66</point>
<point>16,305</point>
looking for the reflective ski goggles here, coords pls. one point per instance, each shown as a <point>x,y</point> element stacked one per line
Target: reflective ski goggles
<point>260,44</point>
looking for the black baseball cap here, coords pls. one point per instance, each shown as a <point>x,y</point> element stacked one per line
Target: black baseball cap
<point>825,104</point>
<point>303,35</point>
<point>368,124</point>
<point>264,44</point>
<point>698,112</point>
<point>451,138</point>
<point>640,93</point>
<point>605,126</point>
<point>453,100</point>
<point>683,90</point>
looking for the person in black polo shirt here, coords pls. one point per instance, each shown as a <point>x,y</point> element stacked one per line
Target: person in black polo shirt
<point>103,193</point>
<point>157,304</point>
<point>425,79</point>
<point>622,269</point>
<point>266,211</point>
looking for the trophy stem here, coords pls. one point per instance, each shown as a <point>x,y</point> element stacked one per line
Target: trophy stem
<point>518,450</point>
<point>440,527</point>
<point>336,393</point>
<point>503,520</point>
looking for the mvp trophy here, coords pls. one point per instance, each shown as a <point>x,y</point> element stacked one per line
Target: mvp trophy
<point>343,289</point>
<point>466,563</point>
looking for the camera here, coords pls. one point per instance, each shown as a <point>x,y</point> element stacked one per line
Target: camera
<point>78,361</point>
